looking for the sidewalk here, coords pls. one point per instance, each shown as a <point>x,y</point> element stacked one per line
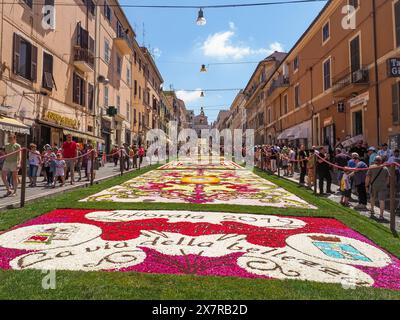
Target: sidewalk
<point>106,172</point>
<point>337,196</point>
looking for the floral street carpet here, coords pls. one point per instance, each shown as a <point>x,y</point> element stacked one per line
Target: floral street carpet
<point>188,164</point>
<point>200,243</point>
<point>201,186</point>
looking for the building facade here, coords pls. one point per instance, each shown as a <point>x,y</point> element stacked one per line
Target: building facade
<point>343,78</point>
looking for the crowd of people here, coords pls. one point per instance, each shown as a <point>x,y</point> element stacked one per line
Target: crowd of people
<point>360,170</point>
<point>58,164</point>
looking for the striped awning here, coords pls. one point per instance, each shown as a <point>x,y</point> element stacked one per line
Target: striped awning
<point>13,125</point>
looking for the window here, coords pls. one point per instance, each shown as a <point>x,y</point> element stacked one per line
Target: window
<point>106,50</point>
<point>140,119</point>
<point>297,96</point>
<point>396,103</point>
<point>326,32</point>
<point>140,92</point>
<point>128,112</point>
<point>29,3</point>
<point>135,88</point>
<point>119,65</point>
<point>134,116</point>
<point>119,104</point>
<point>47,77</point>
<point>90,97</point>
<point>355,58</point>
<point>327,74</point>
<point>296,63</point>
<point>397,22</point>
<point>106,97</point>
<point>107,11</point>
<point>285,104</point>
<point>128,75</point>
<point>357,123</point>
<point>24,58</point>
<point>79,90</point>
<point>354,3</point>
<point>135,57</point>
<point>140,65</point>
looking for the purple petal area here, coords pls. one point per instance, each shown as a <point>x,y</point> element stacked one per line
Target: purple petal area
<point>225,266</point>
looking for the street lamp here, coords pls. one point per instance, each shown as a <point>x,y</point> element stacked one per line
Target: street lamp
<point>203,68</point>
<point>201,21</point>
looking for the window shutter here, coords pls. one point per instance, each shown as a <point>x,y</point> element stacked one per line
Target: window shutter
<point>16,54</point>
<point>395,104</point>
<point>91,44</point>
<point>83,92</point>
<point>75,88</point>
<point>34,63</point>
<point>90,96</point>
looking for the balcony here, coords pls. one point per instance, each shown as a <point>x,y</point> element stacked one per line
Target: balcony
<point>279,84</point>
<point>123,43</point>
<point>83,59</point>
<point>349,82</point>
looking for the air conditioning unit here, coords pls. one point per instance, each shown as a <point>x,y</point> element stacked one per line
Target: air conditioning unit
<point>358,76</point>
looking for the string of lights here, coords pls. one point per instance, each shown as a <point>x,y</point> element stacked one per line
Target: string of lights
<point>216,6</point>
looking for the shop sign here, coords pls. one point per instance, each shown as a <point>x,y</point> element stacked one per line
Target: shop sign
<point>360,99</point>
<point>61,120</point>
<point>393,67</point>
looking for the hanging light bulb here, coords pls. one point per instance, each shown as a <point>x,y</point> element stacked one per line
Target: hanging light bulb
<point>202,94</point>
<point>203,68</point>
<point>201,21</point>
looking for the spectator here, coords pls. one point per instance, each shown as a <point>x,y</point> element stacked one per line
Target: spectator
<point>323,172</point>
<point>141,153</point>
<point>35,160</point>
<point>115,154</point>
<point>345,188</point>
<point>69,152</point>
<point>90,164</point>
<point>60,168</point>
<point>310,169</point>
<point>371,155</point>
<point>395,158</point>
<point>11,165</point>
<point>385,153</point>
<point>341,160</point>
<point>359,182</point>
<point>378,180</point>
<point>46,163</point>
<point>302,157</point>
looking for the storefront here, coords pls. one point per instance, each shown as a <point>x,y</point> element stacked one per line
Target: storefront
<point>297,135</point>
<point>10,125</point>
<point>106,135</point>
<point>329,133</point>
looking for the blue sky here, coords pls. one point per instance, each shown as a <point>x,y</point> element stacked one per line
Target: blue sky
<point>230,35</point>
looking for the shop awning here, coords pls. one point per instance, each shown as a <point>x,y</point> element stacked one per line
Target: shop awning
<point>13,125</point>
<point>81,135</point>
<point>284,135</point>
<point>301,131</point>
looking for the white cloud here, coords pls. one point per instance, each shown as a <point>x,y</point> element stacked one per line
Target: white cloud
<point>188,96</point>
<point>157,53</point>
<point>220,45</point>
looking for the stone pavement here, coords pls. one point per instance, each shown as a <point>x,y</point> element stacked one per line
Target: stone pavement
<point>106,172</point>
<point>337,196</point>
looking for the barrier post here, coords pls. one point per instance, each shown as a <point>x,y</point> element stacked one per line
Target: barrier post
<point>121,162</point>
<point>23,179</point>
<point>92,167</point>
<point>392,198</point>
<point>315,173</point>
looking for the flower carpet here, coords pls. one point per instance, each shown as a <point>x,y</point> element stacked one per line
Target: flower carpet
<point>201,186</point>
<point>199,243</point>
<point>220,164</point>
